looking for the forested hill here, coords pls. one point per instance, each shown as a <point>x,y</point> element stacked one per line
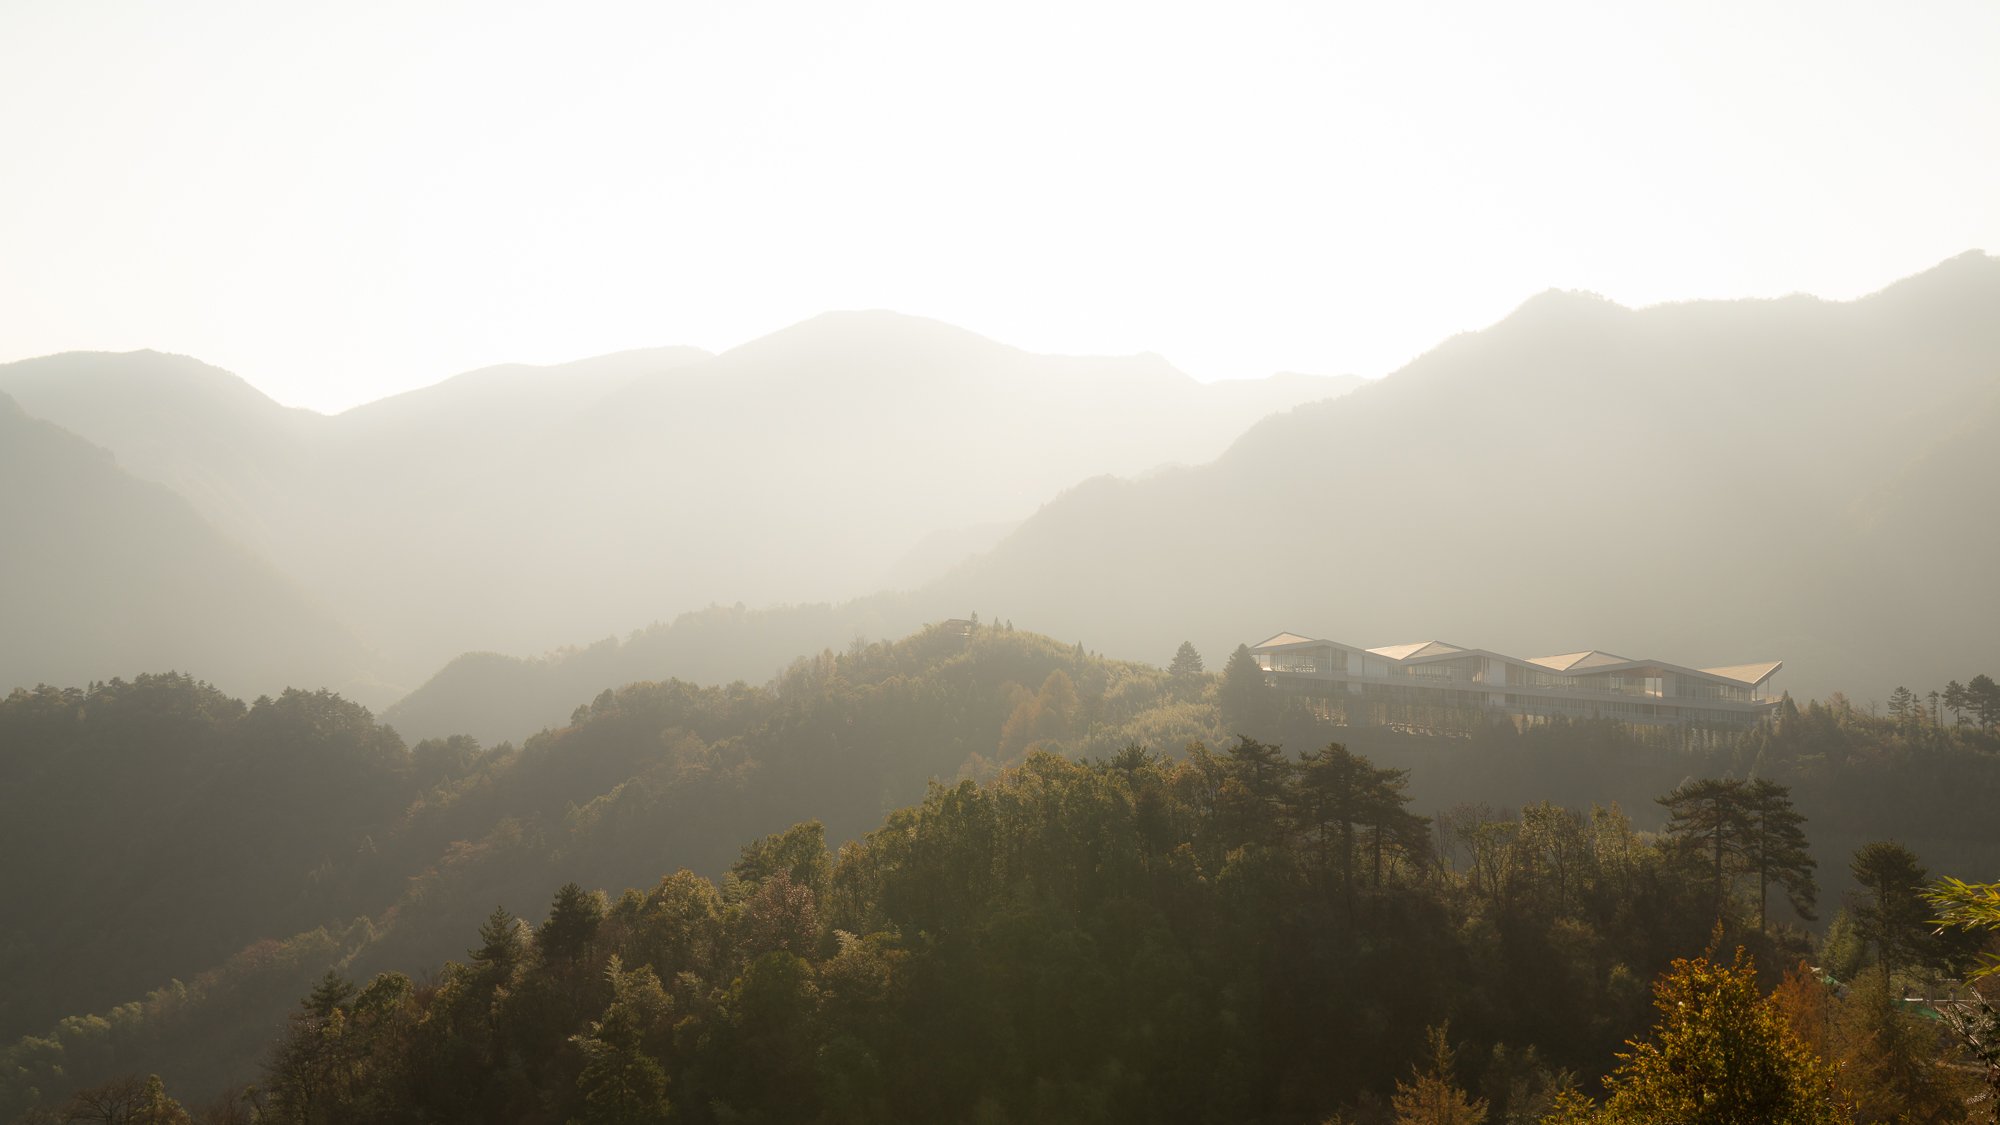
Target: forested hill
<point>516,509</point>
<point>232,846</point>
<point>248,847</point>
<point>1245,933</point>
<point>104,574</point>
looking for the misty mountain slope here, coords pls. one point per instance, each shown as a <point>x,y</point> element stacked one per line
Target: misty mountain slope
<point>828,451</point>
<point>241,459</point>
<point>102,575</point>
<point>1679,482</point>
<point>1704,483</point>
<point>517,508</point>
<point>510,400</point>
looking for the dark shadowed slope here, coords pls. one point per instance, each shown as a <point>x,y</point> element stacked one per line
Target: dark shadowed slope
<point>103,575</point>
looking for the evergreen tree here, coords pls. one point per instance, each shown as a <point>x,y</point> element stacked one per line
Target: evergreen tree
<point>1957,700</point>
<point>1776,851</point>
<point>1982,695</point>
<point>1432,1096</point>
<point>500,945</point>
<point>1902,705</point>
<point>1246,699</point>
<point>1969,907</point>
<point>573,920</point>
<point>1894,918</point>
<point>621,1083</point>
<point>1186,665</point>
<point>333,991</point>
<point>1711,817</point>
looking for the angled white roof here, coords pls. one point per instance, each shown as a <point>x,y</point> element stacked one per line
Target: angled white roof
<point>1752,674</point>
<point>1590,660</point>
<point>1283,639</point>
<point>1579,661</point>
<point>1418,651</point>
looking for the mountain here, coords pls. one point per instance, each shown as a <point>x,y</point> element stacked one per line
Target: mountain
<point>241,459</point>
<point>103,575</point>
<point>512,509</point>
<point>1707,483</point>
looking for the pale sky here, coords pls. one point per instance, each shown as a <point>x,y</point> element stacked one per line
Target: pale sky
<point>341,201</point>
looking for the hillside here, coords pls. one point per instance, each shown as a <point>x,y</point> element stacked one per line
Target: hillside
<point>231,844</point>
<point>1704,483</point>
<point>390,855</point>
<point>515,509</point>
<point>1579,475</point>
<point>103,574</point>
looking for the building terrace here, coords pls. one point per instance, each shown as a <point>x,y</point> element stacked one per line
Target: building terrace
<point>1388,684</point>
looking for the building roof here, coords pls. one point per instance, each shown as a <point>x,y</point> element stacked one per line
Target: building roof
<point>1418,651</point>
<point>1283,639</point>
<point>1752,674</point>
<point>1572,663</point>
<point>1579,661</point>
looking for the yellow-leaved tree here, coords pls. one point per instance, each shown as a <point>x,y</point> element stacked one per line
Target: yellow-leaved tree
<point>1720,1054</point>
<point>1432,1096</point>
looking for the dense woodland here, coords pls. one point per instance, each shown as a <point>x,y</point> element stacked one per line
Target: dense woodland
<point>1128,892</point>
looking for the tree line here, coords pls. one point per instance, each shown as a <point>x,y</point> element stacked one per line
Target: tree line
<point>1235,935</point>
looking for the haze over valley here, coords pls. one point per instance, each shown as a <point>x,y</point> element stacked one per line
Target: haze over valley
<point>736,564</point>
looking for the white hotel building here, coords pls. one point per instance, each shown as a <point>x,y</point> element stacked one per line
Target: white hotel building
<point>1420,682</point>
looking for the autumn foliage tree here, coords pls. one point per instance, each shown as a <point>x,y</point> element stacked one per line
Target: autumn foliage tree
<point>1721,1054</point>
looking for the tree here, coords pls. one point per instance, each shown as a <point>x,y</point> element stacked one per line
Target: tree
<point>1971,907</point>
<point>1254,786</point>
<point>333,991</point>
<point>1432,1096</point>
<point>500,946</point>
<point>1776,850</point>
<point>1894,918</point>
<point>1711,815</point>
<point>1889,1060</point>
<point>1341,794</point>
<point>1186,664</point>
<point>1719,1055</point>
<point>621,1084</point>
<point>1245,698</point>
<point>125,1101</point>
<point>573,920</point>
<point>1902,705</point>
<point>1968,906</point>
<point>1982,695</point>
<point>1957,700</point>
<point>798,851</point>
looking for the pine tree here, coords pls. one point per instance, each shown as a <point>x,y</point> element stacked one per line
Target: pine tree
<point>1776,850</point>
<point>1711,816</point>
<point>500,945</point>
<point>1894,919</point>
<point>1902,705</point>
<point>1432,1096</point>
<point>1245,699</point>
<point>621,1083</point>
<point>1186,663</point>
<point>333,991</point>
<point>573,921</point>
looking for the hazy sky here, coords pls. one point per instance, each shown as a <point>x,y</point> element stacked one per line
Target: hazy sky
<point>338,201</point>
